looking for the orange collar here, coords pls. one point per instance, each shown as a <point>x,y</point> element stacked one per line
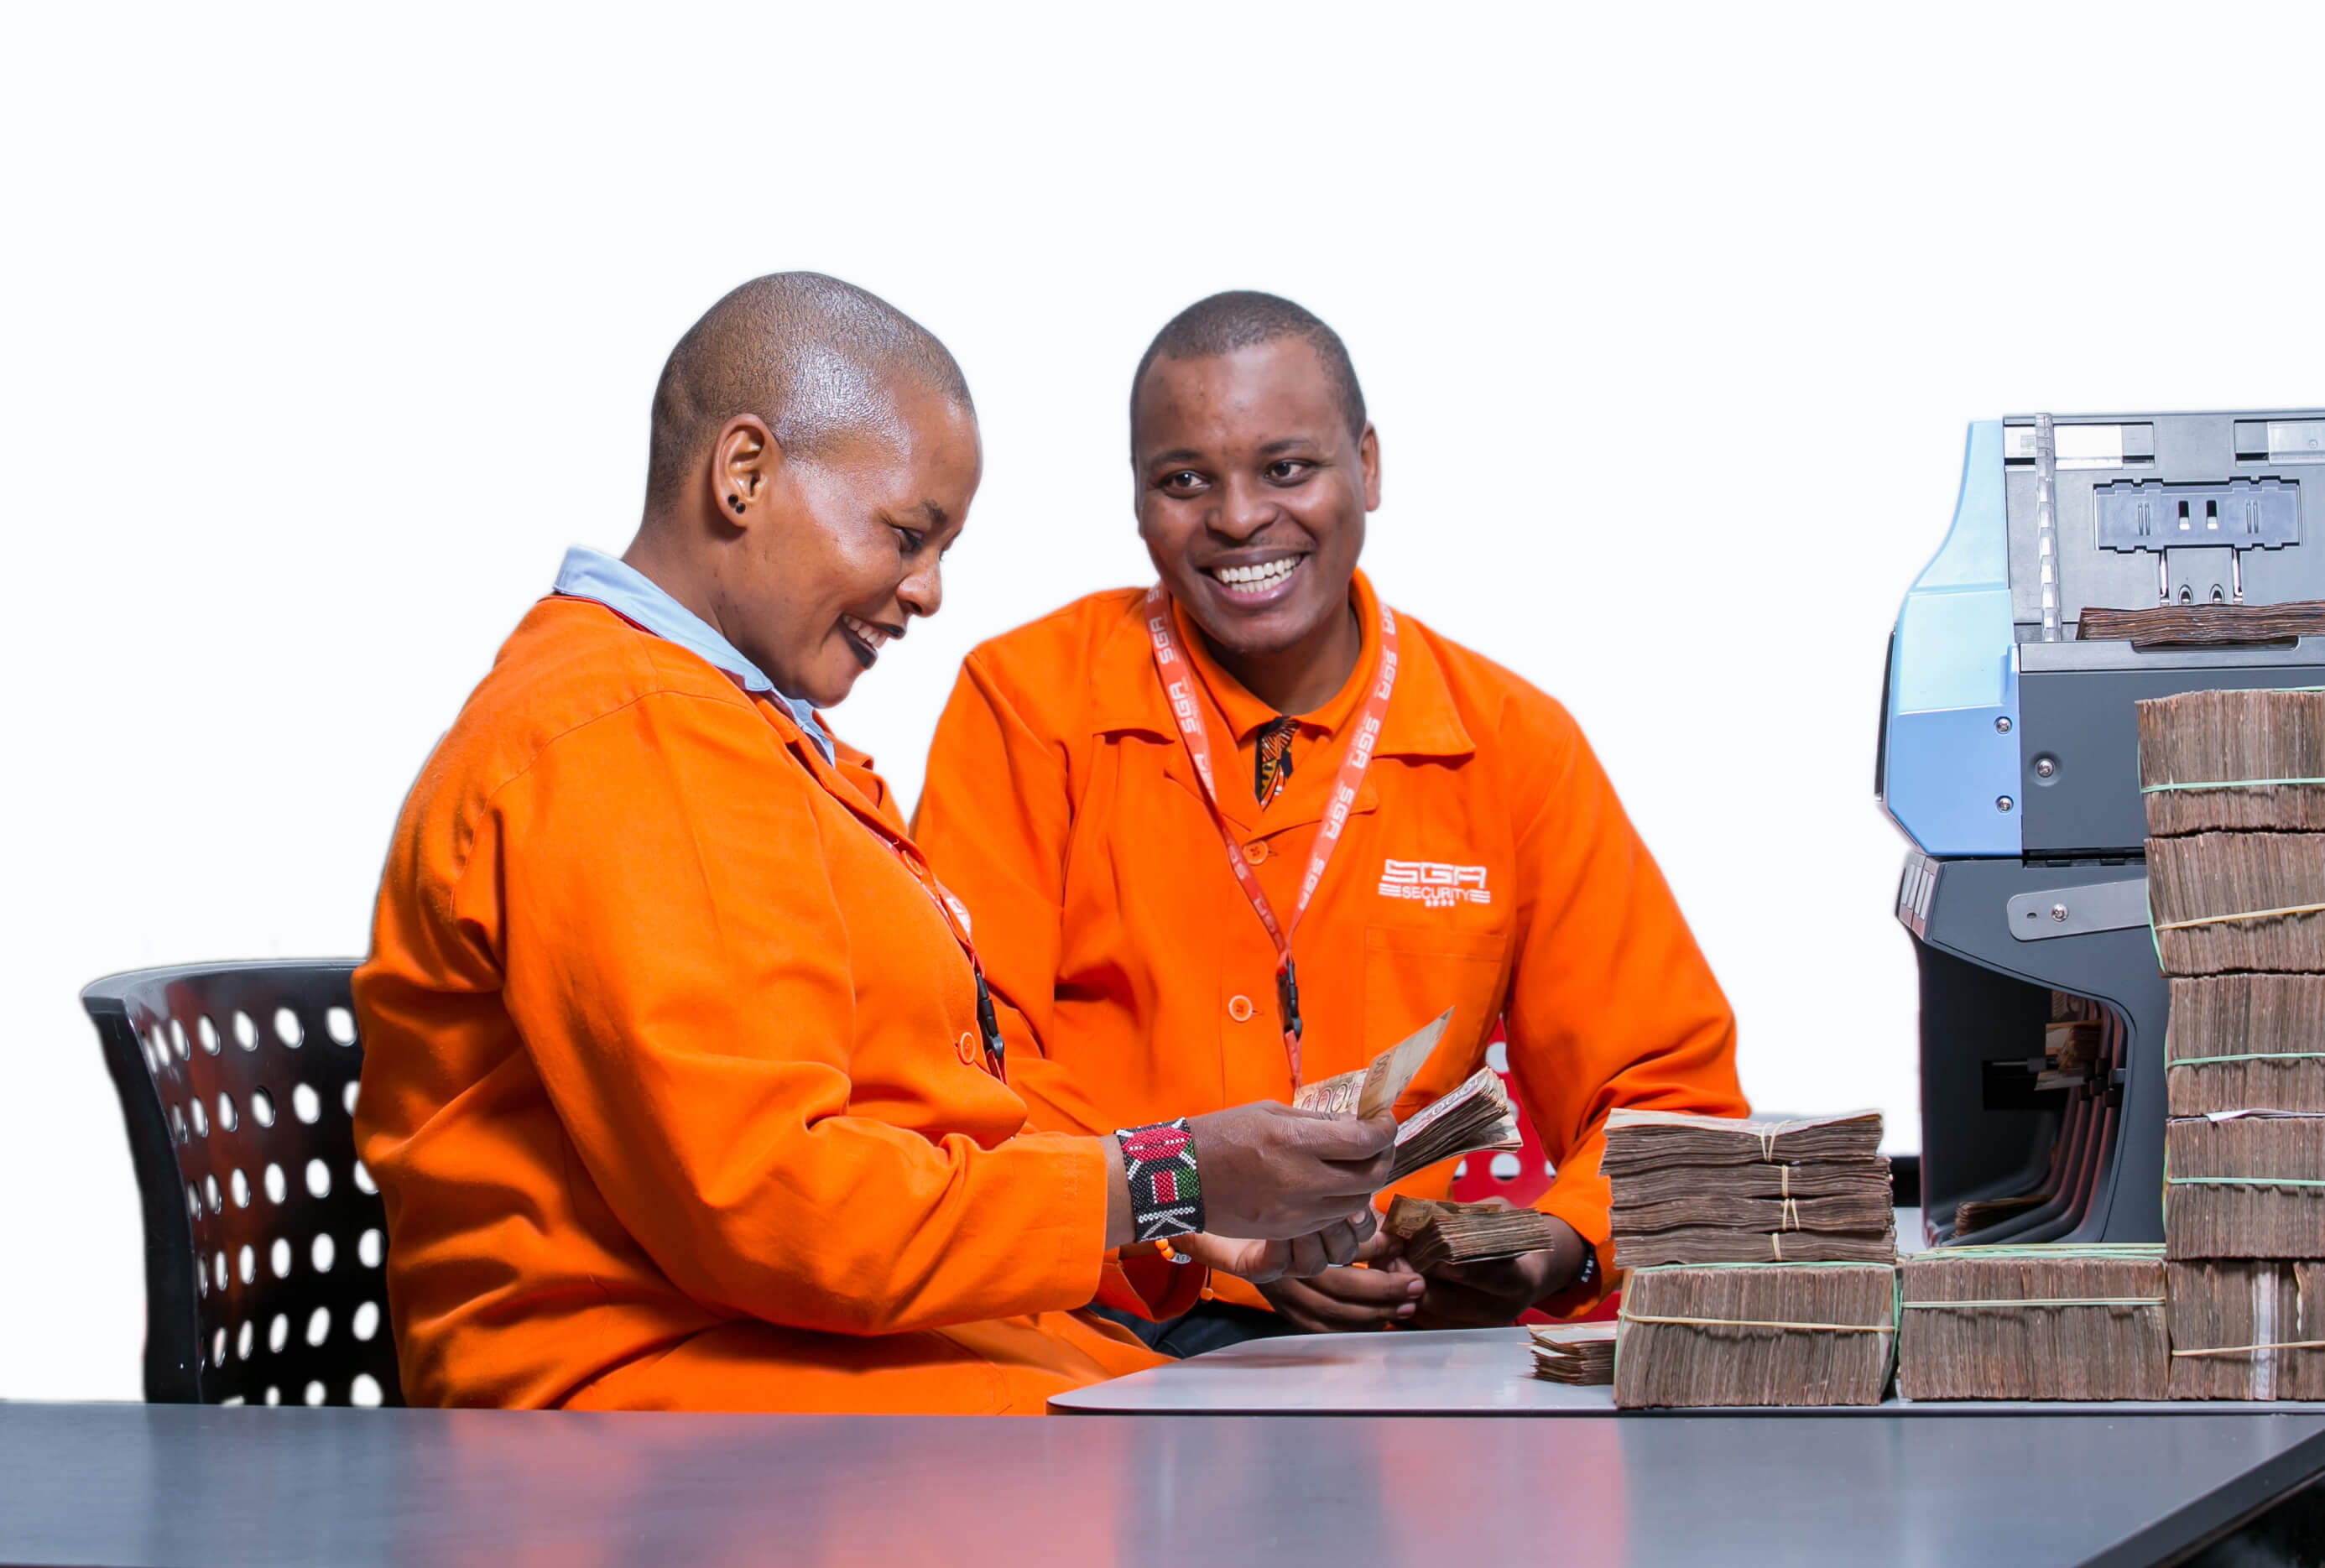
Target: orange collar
<point>1245,713</point>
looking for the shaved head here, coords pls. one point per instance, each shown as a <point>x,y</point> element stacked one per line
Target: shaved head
<point>819,360</point>
<point>1244,319</point>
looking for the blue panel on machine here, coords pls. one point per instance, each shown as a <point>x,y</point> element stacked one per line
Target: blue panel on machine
<point>1949,744</point>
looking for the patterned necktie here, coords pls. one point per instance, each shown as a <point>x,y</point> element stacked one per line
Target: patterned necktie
<point>1271,759</point>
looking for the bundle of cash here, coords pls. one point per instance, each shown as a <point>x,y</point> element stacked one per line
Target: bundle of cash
<point>1790,1333</point>
<point>2247,1330</point>
<point>2244,1184</point>
<point>2223,902</point>
<point>2072,1050</point>
<point>2235,783</point>
<point>2247,1042</point>
<point>1577,1353</point>
<point>2202,626</point>
<point>1436,1232</point>
<point>1471,1118</point>
<point>2036,1322</point>
<point>1976,1215</point>
<point>1372,1089</point>
<point>1703,1189</point>
<point>2250,761</point>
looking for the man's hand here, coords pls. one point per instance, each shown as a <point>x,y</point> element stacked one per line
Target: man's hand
<point>1492,1291</point>
<point>1276,1173</point>
<point>1343,1300</point>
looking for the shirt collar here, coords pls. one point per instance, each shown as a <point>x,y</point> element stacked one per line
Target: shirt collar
<point>1245,713</point>
<point>637,599</point>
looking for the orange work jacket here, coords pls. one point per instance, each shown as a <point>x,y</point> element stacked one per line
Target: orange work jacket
<point>1485,865</point>
<point>671,1082</point>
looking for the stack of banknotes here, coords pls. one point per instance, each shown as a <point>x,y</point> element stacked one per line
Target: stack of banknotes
<point>1783,1334</point>
<point>1702,1189</point>
<point>2235,787</point>
<point>2049,1320</point>
<point>1578,1353</point>
<point>1435,1232</point>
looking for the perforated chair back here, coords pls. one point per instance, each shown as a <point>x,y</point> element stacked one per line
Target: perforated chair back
<point>265,1236</point>
<point>1521,1177</point>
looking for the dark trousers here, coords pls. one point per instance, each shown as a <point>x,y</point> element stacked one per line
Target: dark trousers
<point>1209,1325</point>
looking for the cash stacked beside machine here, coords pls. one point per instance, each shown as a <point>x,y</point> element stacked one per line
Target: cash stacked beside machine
<point>2047,1321</point>
<point>2235,787</point>
<point>1761,1257</point>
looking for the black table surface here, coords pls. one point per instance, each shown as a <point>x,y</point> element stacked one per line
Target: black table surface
<point>124,1485</point>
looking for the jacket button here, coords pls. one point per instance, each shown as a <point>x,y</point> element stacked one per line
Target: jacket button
<point>1255,851</point>
<point>965,1049</point>
<point>1239,1009</point>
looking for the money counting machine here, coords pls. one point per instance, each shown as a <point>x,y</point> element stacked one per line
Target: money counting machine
<point>2008,755</point>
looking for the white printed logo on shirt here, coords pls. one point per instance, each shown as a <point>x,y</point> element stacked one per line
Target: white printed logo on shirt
<point>1433,884</point>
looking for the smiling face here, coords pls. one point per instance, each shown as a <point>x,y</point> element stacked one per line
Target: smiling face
<point>1252,495</point>
<point>839,551</point>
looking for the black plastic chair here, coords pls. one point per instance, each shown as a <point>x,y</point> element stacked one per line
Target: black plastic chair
<point>264,1237</point>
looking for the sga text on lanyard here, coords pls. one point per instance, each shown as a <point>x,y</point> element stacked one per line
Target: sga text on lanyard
<point>1178,680</point>
<point>955,914</point>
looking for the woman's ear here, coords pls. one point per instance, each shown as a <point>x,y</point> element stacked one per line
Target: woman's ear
<point>743,461</point>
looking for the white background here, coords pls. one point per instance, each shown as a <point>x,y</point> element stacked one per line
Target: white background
<point>323,331</point>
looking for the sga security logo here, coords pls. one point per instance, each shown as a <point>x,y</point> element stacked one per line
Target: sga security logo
<point>1433,884</point>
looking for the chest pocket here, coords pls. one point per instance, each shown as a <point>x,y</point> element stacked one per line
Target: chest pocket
<point>1412,975</point>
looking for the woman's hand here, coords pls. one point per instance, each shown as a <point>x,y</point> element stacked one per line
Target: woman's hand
<point>1339,1242</point>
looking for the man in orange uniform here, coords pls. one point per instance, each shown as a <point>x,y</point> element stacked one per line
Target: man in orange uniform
<point>681,1086</point>
<point>1246,830</point>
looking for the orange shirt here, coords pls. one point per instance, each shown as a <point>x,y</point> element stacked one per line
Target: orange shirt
<point>1487,865</point>
<point>669,1082</point>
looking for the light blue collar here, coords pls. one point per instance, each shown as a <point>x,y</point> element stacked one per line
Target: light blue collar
<point>594,575</point>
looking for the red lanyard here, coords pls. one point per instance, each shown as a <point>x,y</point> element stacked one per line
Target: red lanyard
<point>1178,684</point>
<point>954,913</point>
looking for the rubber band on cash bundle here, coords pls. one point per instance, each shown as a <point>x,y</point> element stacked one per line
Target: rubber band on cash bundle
<point>2240,915</point>
<point>2206,1304</point>
<point>2230,783</point>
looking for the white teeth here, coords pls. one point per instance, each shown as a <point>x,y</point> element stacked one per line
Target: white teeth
<point>872,635</point>
<point>1253,578</point>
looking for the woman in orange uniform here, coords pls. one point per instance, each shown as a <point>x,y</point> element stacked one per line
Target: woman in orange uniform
<point>681,1086</point>
<point>1245,829</point>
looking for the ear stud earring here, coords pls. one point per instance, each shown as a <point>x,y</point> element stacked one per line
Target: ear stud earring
<point>736,502</point>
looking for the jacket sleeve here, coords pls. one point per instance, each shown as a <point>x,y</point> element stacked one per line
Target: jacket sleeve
<point>677,966</point>
<point>994,814</point>
<point>1611,1003</point>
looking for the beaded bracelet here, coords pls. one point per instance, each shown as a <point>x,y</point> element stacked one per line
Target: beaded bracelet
<point>1166,1195</point>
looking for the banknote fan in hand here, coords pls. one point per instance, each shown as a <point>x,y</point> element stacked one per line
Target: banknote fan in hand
<point>1473,1118</point>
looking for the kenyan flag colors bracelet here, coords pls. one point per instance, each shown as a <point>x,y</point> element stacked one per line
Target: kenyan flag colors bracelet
<point>1166,1196</point>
